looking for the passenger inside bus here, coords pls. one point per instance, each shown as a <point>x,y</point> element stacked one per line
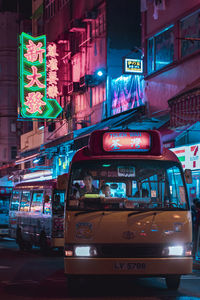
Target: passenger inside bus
<point>105,190</point>
<point>88,188</point>
<point>144,193</point>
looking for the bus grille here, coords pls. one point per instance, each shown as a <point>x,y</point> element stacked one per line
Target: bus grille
<point>130,251</point>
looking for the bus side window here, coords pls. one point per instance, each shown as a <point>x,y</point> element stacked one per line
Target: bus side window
<point>25,201</point>
<point>47,204</point>
<point>36,205</point>
<point>14,204</point>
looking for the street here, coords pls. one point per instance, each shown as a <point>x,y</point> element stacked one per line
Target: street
<point>29,275</point>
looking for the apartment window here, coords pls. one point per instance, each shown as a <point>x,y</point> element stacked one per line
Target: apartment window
<point>27,126</point>
<point>13,126</point>
<point>13,152</point>
<point>49,8</point>
<point>190,28</point>
<point>5,153</point>
<point>75,39</point>
<point>27,164</point>
<point>160,50</point>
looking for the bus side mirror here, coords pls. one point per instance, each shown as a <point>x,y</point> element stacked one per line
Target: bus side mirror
<point>188,176</point>
<point>46,199</point>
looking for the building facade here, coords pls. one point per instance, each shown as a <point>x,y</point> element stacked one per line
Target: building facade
<point>91,38</point>
<point>11,23</point>
<point>171,43</point>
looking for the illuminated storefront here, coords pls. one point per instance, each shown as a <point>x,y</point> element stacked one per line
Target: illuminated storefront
<point>189,156</point>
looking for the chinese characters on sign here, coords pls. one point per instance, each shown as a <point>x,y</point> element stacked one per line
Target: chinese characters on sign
<point>52,68</point>
<point>126,141</point>
<point>33,101</point>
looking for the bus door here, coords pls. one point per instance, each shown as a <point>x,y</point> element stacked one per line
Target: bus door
<point>36,220</point>
<point>58,214</point>
<point>13,211</point>
<point>23,218</point>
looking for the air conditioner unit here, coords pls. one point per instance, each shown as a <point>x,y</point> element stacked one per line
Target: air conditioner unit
<point>87,80</point>
<point>89,16</point>
<point>77,25</point>
<point>73,87</point>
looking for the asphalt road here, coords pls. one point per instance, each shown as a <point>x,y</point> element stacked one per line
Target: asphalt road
<point>29,275</point>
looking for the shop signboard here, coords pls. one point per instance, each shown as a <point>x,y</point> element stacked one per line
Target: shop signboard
<point>34,103</point>
<point>133,66</point>
<point>189,156</point>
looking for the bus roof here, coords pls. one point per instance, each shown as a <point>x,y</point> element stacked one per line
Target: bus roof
<point>36,184</point>
<point>58,183</point>
<point>124,144</point>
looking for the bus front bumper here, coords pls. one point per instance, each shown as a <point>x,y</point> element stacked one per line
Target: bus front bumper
<point>121,266</point>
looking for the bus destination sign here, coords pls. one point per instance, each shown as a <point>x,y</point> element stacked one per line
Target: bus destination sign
<point>137,141</point>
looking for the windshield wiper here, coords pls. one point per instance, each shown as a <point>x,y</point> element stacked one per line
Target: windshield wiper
<point>86,212</point>
<point>137,212</point>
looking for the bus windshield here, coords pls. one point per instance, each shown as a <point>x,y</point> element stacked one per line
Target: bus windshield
<point>126,185</point>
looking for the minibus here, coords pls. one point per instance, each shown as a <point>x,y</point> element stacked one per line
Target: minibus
<point>143,227</point>
<point>36,214</point>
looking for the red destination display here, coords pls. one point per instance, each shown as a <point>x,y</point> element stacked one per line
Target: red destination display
<point>126,141</point>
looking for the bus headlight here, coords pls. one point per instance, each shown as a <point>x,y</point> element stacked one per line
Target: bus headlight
<point>85,251</point>
<point>178,250</point>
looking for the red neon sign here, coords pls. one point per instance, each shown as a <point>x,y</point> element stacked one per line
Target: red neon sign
<point>126,141</point>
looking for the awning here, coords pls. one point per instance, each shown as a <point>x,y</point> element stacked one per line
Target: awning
<point>113,122</point>
<point>57,141</point>
<point>185,106</point>
<point>25,159</point>
<point>169,135</point>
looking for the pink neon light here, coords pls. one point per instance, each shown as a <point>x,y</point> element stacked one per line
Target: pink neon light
<point>34,101</point>
<point>34,51</point>
<point>52,77</point>
<point>52,64</point>
<point>34,78</point>
<point>52,50</point>
<point>52,67</point>
<point>52,91</point>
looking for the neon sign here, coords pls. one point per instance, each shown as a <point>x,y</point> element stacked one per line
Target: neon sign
<point>133,66</point>
<point>52,68</point>
<point>33,99</point>
<point>137,141</point>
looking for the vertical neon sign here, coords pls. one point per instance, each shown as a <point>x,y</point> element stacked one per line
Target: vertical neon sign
<point>52,68</point>
<point>33,101</point>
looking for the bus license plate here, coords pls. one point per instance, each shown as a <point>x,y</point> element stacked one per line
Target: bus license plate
<point>129,266</point>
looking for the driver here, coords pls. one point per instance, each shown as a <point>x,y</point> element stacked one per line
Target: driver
<point>88,188</point>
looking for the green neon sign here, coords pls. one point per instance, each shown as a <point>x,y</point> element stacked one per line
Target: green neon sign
<point>33,101</point>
